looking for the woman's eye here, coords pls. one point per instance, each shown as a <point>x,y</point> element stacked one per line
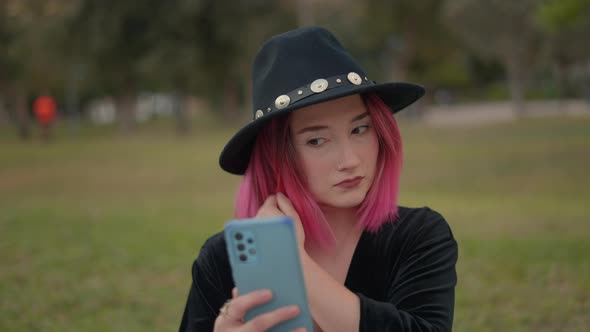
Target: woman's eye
<point>316,141</point>
<point>360,129</point>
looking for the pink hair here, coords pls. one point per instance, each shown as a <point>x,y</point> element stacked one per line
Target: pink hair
<point>273,169</point>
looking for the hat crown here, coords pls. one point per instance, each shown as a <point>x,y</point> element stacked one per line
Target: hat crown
<point>294,59</point>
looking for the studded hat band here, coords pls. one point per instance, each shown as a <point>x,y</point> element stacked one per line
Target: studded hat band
<point>318,86</point>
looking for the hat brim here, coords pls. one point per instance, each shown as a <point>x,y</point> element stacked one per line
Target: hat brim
<point>235,156</point>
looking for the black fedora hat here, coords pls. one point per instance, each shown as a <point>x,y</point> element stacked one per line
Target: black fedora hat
<point>300,68</point>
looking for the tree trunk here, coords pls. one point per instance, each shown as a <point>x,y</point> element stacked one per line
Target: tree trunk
<point>399,68</point>
<point>231,101</point>
<point>3,111</point>
<point>305,13</point>
<point>180,116</point>
<point>126,103</point>
<point>73,98</point>
<point>560,78</point>
<point>516,83</point>
<point>23,120</point>
<point>4,115</point>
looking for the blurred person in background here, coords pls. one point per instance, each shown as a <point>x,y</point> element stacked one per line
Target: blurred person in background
<point>45,110</point>
<point>324,149</point>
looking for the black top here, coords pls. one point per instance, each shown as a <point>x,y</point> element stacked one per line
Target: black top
<point>404,275</point>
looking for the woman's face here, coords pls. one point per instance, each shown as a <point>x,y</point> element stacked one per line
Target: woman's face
<point>336,148</point>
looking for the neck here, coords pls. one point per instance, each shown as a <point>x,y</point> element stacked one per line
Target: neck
<point>336,258</point>
<point>340,219</point>
<point>343,223</point>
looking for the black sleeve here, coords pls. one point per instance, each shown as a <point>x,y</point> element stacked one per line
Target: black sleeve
<point>421,294</point>
<point>211,287</point>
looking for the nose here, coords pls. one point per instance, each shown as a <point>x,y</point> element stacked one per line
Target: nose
<point>348,157</point>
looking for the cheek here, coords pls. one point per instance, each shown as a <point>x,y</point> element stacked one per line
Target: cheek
<point>371,150</point>
<point>314,168</point>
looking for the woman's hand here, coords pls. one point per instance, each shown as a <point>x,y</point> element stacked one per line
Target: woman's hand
<point>231,316</point>
<point>280,205</point>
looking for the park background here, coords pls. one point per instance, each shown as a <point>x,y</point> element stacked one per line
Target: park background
<point>101,220</point>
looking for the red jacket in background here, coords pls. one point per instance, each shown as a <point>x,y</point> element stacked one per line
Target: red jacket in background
<point>45,109</point>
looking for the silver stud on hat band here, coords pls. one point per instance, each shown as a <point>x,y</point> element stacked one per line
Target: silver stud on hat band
<point>354,78</point>
<point>317,86</point>
<point>282,101</point>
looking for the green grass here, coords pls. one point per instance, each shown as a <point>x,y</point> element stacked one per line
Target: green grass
<point>98,231</point>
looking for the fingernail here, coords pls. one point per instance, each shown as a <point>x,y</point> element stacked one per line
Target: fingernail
<point>265,293</point>
<point>293,309</point>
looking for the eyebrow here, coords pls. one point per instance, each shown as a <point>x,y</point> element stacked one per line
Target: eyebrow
<point>360,117</point>
<point>315,128</point>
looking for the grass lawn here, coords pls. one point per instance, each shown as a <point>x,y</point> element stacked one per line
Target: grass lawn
<point>98,231</point>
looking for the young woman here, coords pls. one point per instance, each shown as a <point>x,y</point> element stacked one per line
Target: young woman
<point>324,149</point>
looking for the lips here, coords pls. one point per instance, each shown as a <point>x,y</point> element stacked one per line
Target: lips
<point>350,183</point>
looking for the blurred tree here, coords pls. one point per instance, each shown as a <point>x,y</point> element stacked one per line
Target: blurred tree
<point>566,24</point>
<point>560,14</point>
<point>172,63</point>
<point>29,62</point>
<point>503,29</point>
<point>112,37</point>
<point>8,70</point>
<point>183,46</point>
<point>229,34</point>
<point>406,30</point>
<point>11,67</point>
<point>412,43</point>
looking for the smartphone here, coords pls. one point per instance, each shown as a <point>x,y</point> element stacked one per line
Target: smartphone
<point>263,254</point>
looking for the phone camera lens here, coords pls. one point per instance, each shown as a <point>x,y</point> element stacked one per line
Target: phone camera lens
<point>241,246</point>
<point>243,257</point>
<point>250,240</point>
<point>239,236</point>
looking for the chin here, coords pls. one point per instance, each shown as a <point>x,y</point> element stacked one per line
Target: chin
<point>347,201</point>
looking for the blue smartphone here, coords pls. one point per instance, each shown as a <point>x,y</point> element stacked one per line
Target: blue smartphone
<point>263,254</point>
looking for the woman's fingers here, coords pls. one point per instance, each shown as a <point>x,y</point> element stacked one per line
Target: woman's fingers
<point>287,208</point>
<point>241,304</point>
<point>268,320</point>
<point>234,292</point>
<point>279,205</point>
<point>284,204</point>
<point>269,208</point>
<point>231,315</point>
<point>271,201</point>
